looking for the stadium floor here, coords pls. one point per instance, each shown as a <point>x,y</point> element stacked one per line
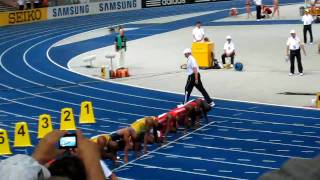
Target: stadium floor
<point>241,141</point>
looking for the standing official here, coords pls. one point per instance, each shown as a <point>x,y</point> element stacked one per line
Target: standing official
<point>307,20</point>
<point>121,47</point>
<point>293,51</point>
<point>258,8</point>
<point>198,33</point>
<point>194,78</point>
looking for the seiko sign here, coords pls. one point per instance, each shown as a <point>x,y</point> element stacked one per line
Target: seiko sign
<point>24,16</point>
<point>172,2</point>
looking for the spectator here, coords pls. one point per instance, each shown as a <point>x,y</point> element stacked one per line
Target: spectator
<point>36,4</point>
<point>120,44</point>
<point>86,155</point>
<point>258,9</point>
<point>198,33</point>
<point>293,51</point>
<point>21,4</point>
<point>229,51</point>
<point>28,4</point>
<point>266,11</point>
<point>194,78</point>
<point>276,8</point>
<point>307,20</point>
<point>248,8</point>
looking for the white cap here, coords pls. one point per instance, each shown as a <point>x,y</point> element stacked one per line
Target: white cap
<point>187,50</point>
<point>292,31</point>
<point>228,37</point>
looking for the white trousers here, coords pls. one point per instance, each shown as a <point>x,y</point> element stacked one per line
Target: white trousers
<point>122,55</point>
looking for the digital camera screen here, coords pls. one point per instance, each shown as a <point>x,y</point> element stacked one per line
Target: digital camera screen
<point>68,142</point>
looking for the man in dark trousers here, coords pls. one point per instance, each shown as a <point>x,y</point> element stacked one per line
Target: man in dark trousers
<point>194,78</point>
<point>307,20</point>
<point>293,51</point>
<point>258,8</point>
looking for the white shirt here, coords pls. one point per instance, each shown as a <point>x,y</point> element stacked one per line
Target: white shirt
<point>191,64</point>
<point>198,34</point>
<point>307,19</point>
<point>258,2</point>
<point>20,2</point>
<point>228,47</point>
<point>293,43</point>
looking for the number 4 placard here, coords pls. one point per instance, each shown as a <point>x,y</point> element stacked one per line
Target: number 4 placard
<point>67,119</point>
<point>21,135</point>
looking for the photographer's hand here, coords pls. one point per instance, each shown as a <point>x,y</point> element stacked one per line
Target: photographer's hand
<point>89,153</point>
<point>46,149</point>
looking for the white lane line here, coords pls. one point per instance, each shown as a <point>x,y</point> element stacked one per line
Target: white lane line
<point>264,131</point>
<point>269,161</point>
<point>201,170</point>
<point>219,159</point>
<point>225,171</point>
<point>274,140</point>
<point>263,142</point>
<point>244,160</point>
<point>251,172</point>
<point>242,151</point>
<point>307,151</point>
<point>187,172</point>
<point>297,141</point>
<point>310,132</point>
<point>283,150</point>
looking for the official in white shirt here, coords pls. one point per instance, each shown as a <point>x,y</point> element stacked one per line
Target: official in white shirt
<point>258,8</point>
<point>194,78</point>
<point>294,47</point>
<point>21,4</point>
<point>307,20</point>
<point>198,33</point>
<point>229,51</point>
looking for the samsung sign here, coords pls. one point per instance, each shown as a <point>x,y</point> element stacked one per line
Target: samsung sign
<point>67,11</point>
<point>93,8</point>
<point>118,5</point>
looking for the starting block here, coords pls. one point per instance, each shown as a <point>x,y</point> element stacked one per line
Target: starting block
<point>4,143</point>
<point>86,113</point>
<point>21,135</point>
<point>122,72</point>
<point>318,100</point>
<point>67,119</point>
<point>44,125</point>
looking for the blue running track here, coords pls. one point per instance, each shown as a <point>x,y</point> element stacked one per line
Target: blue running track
<point>241,141</point>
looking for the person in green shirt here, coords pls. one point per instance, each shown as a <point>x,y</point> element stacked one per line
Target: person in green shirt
<point>121,47</point>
